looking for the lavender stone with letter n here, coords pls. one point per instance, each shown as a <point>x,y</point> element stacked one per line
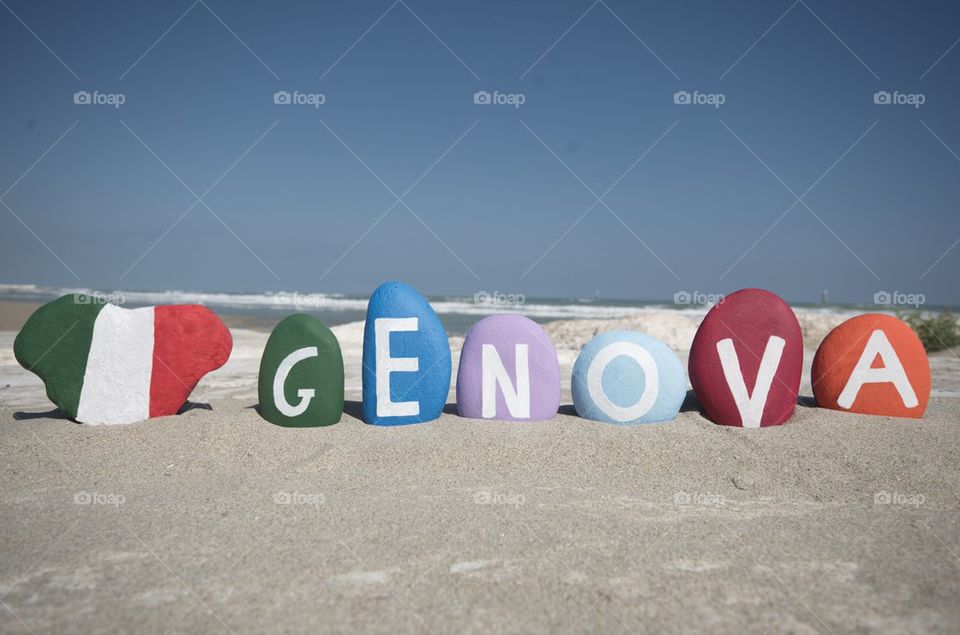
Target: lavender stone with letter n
<point>508,370</point>
<point>406,358</point>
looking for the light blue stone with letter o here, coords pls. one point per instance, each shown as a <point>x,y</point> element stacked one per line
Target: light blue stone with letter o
<point>625,377</point>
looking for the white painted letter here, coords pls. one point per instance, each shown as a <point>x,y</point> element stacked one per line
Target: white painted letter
<point>517,399</point>
<point>891,371</point>
<point>750,406</point>
<point>305,394</point>
<point>383,327</point>
<point>651,384</point>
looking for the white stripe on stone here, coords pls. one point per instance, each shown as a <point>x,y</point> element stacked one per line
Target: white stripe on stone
<point>116,383</point>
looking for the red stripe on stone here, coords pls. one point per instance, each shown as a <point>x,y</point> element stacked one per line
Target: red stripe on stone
<point>189,341</point>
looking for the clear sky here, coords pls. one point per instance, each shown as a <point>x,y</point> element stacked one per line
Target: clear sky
<point>796,182</point>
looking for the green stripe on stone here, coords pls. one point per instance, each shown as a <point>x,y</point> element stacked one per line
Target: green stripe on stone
<point>54,344</point>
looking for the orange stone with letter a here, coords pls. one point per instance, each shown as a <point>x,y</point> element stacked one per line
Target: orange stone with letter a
<point>872,364</point>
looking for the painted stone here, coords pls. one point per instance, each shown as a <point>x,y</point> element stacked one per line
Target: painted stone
<point>508,370</point>
<point>746,360</point>
<point>872,364</point>
<point>406,358</point>
<point>626,377</point>
<point>102,364</point>
<point>300,383</point>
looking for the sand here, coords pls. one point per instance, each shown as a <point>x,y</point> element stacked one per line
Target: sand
<point>216,521</point>
<point>14,314</point>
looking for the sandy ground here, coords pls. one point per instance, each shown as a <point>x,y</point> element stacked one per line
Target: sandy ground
<point>215,520</point>
<point>14,314</point>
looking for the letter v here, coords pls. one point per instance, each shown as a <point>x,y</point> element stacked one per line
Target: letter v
<point>750,406</point>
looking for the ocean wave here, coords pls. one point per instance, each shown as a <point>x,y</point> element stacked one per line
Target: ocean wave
<point>574,308</point>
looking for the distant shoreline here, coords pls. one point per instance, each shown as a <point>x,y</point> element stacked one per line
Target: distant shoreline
<point>260,311</point>
<point>13,314</point>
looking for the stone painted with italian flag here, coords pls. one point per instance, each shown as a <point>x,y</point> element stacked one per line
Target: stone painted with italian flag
<point>301,374</point>
<point>102,364</point>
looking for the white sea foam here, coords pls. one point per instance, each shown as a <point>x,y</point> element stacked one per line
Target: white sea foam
<point>285,301</point>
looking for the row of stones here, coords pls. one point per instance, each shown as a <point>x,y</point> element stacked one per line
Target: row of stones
<point>745,367</point>
<point>102,364</point>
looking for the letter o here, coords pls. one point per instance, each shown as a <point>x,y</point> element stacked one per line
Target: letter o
<point>650,389</point>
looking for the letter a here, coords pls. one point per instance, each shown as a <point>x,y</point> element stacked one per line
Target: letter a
<point>891,371</point>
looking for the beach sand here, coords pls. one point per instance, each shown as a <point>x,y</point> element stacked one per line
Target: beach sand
<point>215,520</point>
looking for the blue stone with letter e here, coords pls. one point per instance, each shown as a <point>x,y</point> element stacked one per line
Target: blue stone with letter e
<point>406,358</point>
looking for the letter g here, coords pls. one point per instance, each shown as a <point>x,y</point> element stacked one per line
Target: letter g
<point>305,394</point>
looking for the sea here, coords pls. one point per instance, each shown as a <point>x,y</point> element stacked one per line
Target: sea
<point>458,313</point>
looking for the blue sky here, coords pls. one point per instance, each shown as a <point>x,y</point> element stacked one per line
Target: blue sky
<point>492,196</point>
